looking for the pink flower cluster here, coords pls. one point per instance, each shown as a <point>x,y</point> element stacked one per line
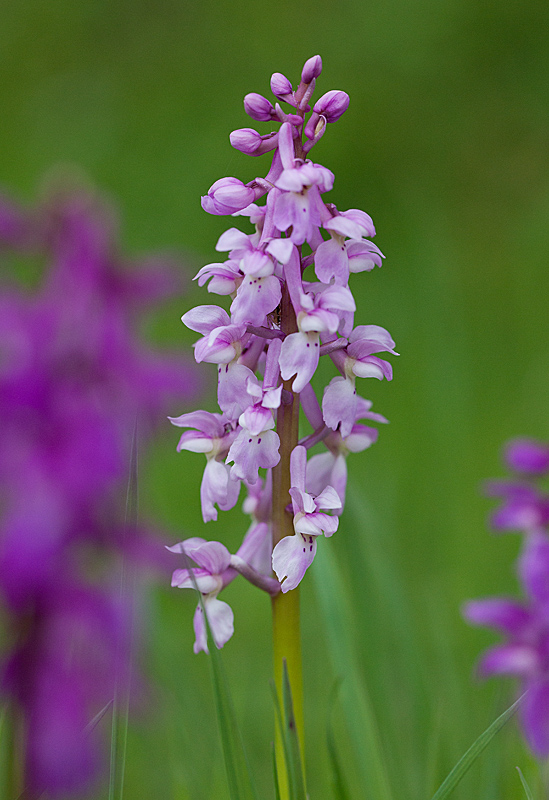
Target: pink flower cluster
<point>295,266</point>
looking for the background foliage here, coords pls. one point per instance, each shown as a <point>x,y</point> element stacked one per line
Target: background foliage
<point>446,144</point>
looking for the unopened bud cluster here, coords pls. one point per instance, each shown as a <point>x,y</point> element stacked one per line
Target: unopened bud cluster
<point>289,305</point>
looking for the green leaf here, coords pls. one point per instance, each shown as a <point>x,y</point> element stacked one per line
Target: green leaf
<point>455,776</point>
<point>527,790</point>
<point>336,608</point>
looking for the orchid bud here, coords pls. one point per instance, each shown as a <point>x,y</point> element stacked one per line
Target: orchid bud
<point>226,196</point>
<point>250,142</point>
<point>332,105</point>
<point>258,107</point>
<point>280,85</point>
<point>311,69</point>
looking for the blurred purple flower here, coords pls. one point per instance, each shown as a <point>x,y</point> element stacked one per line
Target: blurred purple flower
<point>525,624</point>
<point>74,382</point>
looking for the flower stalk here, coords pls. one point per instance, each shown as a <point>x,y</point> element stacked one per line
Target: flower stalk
<point>285,606</point>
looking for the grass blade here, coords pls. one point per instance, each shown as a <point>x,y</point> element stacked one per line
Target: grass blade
<point>527,790</point>
<point>335,605</point>
<point>295,767</point>
<point>239,778</point>
<point>465,762</point>
<point>339,785</point>
<point>122,688</point>
<point>282,727</point>
<point>275,774</point>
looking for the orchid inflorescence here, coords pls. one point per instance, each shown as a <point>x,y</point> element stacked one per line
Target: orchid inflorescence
<point>290,305</point>
<point>525,623</point>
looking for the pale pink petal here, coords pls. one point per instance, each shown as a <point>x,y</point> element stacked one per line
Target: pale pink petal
<point>299,356</point>
<point>331,262</point>
<point>215,489</point>
<point>257,419</point>
<point>180,546</point>
<point>204,319</point>
<point>373,367</point>
<point>257,547</point>
<point>195,442</point>
<point>339,405</point>
<point>203,421</point>
<point>291,558</point>
<point>298,467</point>
<point>256,297</point>
<point>221,618</point>
<point>360,438</point>
<point>281,249</point>
<point>328,499</point>
<point>376,335</point>
<point>233,491</point>
<point>201,641</point>
<point>211,556</point>
<point>250,453</point>
<point>232,239</point>
<point>319,472</point>
<point>232,389</point>
<point>205,582</point>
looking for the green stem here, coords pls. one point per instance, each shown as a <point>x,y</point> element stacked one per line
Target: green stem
<point>286,627</point>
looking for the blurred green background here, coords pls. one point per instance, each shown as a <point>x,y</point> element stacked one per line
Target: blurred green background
<point>446,145</point>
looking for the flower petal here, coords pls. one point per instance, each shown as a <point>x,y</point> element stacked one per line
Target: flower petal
<point>509,659</point>
<point>221,618</point>
<point>534,714</point>
<point>211,556</point>
<point>291,558</point>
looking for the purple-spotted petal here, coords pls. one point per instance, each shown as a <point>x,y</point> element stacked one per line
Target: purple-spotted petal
<point>331,261</point>
<point>251,453</point>
<point>299,356</point>
<point>232,389</point>
<point>256,297</point>
<point>291,558</point>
